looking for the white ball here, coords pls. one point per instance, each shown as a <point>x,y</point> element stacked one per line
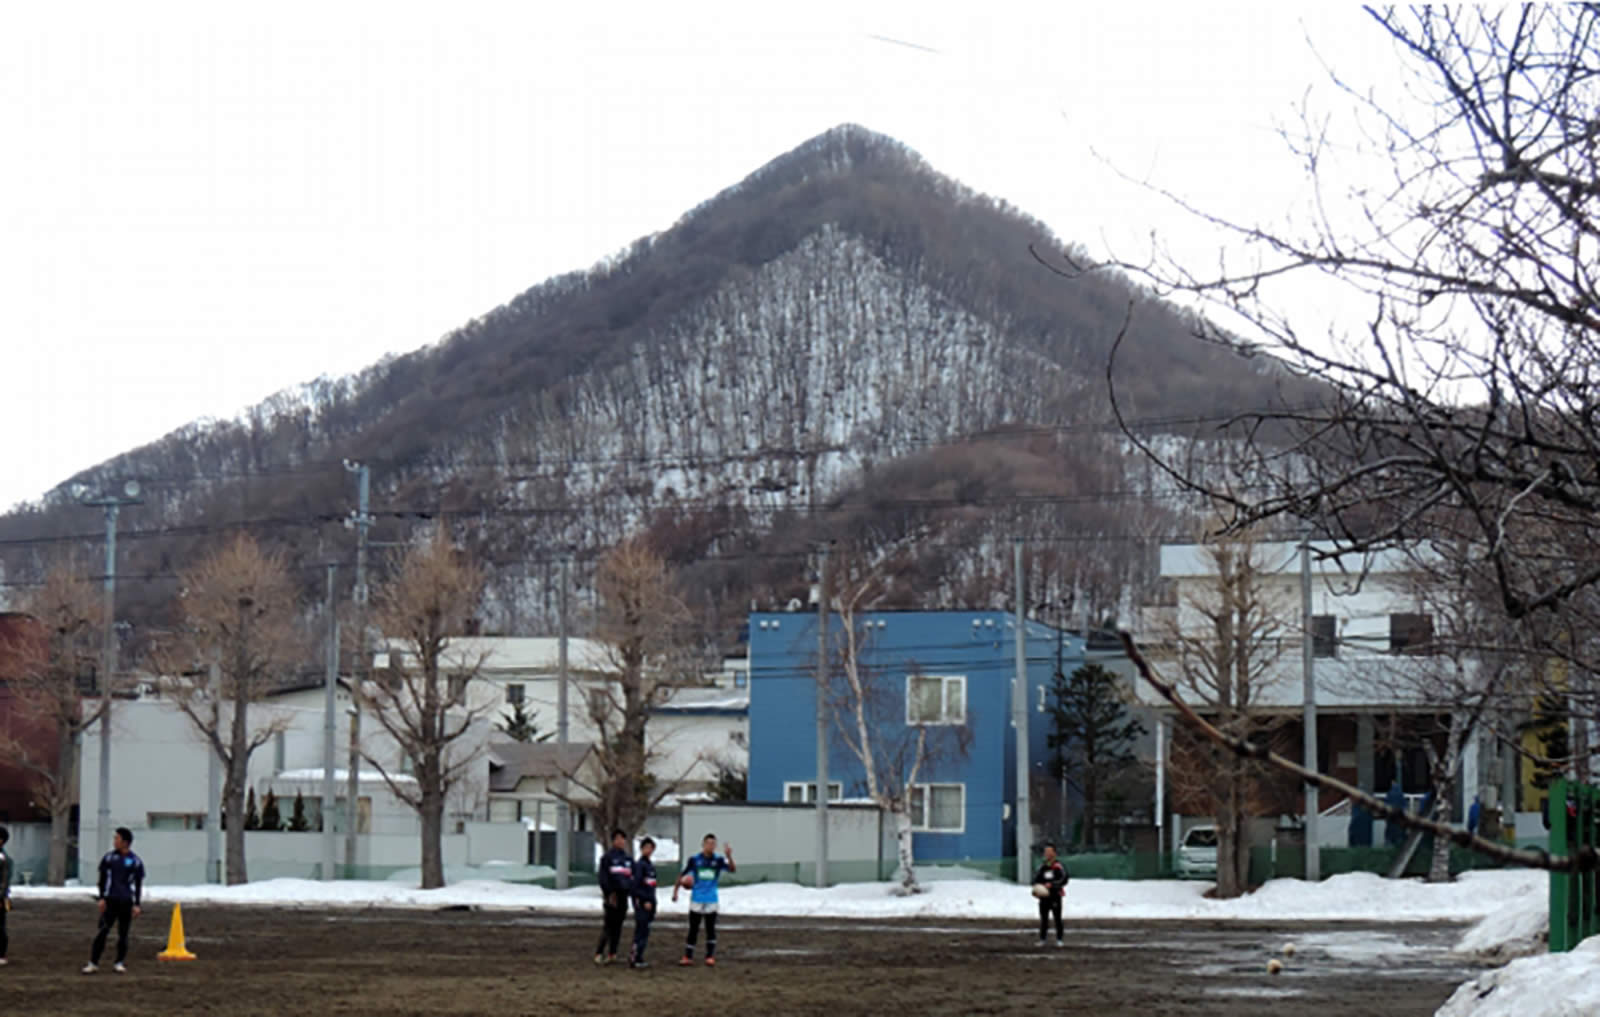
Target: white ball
<point>1274,966</point>
<point>1288,949</point>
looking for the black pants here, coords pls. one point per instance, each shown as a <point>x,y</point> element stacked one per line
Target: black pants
<point>5,938</point>
<point>120,914</point>
<point>694,933</point>
<point>611,936</point>
<point>642,917</point>
<point>1048,906</point>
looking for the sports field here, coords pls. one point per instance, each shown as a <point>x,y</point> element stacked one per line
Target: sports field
<point>282,961</point>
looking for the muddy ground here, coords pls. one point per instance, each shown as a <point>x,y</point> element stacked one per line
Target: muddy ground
<point>309,962</point>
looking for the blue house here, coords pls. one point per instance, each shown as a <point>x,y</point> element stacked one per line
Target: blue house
<point>939,668</point>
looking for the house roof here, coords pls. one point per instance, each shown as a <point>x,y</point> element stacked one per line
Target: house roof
<point>511,654</point>
<point>707,700</point>
<point>510,763</point>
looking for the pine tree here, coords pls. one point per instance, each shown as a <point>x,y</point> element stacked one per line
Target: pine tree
<point>1091,733</point>
<point>270,819</point>
<point>252,820</point>
<point>519,725</point>
<point>297,820</point>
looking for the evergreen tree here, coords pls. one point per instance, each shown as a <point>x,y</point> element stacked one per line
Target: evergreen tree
<point>1091,733</point>
<point>732,784</point>
<point>519,725</point>
<point>270,819</point>
<point>252,819</point>
<point>297,819</point>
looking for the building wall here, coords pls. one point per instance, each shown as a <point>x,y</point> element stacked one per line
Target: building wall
<point>978,646</point>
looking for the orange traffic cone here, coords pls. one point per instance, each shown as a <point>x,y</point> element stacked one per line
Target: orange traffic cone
<point>175,950</point>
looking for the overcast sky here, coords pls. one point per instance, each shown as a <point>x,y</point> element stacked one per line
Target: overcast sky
<point>203,205</point>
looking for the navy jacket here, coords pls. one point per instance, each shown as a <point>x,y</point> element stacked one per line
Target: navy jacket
<point>644,880</point>
<point>616,873</point>
<point>121,878</point>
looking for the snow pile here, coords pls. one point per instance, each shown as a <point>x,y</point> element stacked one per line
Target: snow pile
<point>1353,897</point>
<point>1521,928</point>
<point>1555,985</point>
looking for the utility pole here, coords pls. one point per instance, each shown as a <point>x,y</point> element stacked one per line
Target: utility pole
<point>330,698</point>
<point>1308,662</point>
<point>1019,718</point>
<point>822,716</point>
<point>563,814</point>
<point>362,522</point>
<point>214,792</point>
<point>112,504</point>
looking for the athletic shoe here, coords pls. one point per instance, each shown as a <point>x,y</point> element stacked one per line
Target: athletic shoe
<point>120,968</point>
<point>90,969</point>
<point>599,959</point>
<point>1060,944</point>
<point>3,962</point>
<point>611,958</point>
<point>686,962</point>
<point>1043,944</point>
<point>711,962</point>
<point>639,965</point>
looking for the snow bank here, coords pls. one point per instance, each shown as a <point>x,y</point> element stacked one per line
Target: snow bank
<point>1352,897</point>
<point>1555,985</point>
<point>1520,928</point>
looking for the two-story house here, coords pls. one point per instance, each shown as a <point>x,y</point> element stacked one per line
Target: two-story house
<point>943,669</point>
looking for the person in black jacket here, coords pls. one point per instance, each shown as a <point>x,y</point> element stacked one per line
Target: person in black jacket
<point>1052,875</point>
<point>5,893</point>
<point>616,886</point>
<point>120,890</point>
<point>644,902</point>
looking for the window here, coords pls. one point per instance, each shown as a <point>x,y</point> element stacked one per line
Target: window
<point>1410,634</point>
<point>1324,636</point>
<point>516,695</point>
<point>741,679</point>
<point>1201,837</point>
<point>939,808</point>
<point>176,820</point>
<point>800,793</point>
<point>934,700</point>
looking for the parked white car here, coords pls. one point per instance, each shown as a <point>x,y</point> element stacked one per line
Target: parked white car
<point>1197,855</point>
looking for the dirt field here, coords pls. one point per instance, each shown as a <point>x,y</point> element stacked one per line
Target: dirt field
<point>308,963</point>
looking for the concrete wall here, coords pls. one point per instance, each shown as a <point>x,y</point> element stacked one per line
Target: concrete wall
<point>777,842</point>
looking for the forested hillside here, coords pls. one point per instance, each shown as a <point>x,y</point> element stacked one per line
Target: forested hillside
<point>844,345</point>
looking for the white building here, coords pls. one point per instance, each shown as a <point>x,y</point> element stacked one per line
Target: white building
<point>1374,665</point>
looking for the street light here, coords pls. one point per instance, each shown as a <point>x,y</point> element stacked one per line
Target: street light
<point>112,504</point>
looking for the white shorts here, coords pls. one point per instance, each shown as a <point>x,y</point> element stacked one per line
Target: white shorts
<point>702,907</point>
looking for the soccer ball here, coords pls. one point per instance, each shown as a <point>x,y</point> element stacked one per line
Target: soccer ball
<point>687,881</point>
<point>1274,966</point>
<point>1288,949</point>
<point>1041,891</point>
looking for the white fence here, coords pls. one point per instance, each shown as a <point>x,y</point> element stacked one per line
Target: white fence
<point>778,842</point>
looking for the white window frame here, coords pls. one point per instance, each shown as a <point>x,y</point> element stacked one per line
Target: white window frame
<point>947,682</point>
<point>808,792</point>
<point>922,792</point>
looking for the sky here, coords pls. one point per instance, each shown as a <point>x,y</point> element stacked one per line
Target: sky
<point>206,204</point>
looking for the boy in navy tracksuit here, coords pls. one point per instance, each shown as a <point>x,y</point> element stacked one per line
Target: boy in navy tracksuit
<point>644,901</point>
<point>120,889</point>
<point>616,886</point>
<point>1052,875</point>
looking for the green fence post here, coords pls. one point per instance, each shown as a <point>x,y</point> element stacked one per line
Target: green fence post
<point>1561,887</point>
<point>1587,822</point>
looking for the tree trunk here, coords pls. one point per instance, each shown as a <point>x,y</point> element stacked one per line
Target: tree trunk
<point>432,816</point>
<point>238,770</point>
<point>1444,784</point>
<point>905,872</point>
<point>61,805</point>
<point>1233,849</point>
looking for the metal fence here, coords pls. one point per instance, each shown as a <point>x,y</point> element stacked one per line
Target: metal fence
<point>1574,896</point>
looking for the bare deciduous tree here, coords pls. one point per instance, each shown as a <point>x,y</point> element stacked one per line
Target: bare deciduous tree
<point>239,613</point>
<point>52,654</point>
<point>422,701</point>
<point>643,625</point>
<point>896,744</point>
<point>1463,411</point>
<point>1228,639</point>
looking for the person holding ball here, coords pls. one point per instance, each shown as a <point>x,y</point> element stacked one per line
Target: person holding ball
<point>1049,886</point>
<point>701,874</point>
